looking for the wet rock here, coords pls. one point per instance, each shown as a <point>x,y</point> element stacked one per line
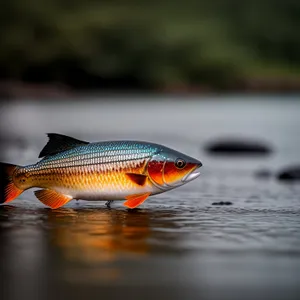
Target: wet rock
<point>222,203</point>
<point>238,147</point>
<point>289,174</point>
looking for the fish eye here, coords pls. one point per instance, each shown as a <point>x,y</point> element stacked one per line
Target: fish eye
<point>180,163</point>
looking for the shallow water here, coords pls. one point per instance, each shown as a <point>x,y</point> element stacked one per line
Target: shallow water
<point>177,245</point>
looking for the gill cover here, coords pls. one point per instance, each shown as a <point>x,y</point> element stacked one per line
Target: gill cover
<point>155,169</point>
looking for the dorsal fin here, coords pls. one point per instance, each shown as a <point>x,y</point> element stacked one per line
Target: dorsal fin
<point>59,143</point>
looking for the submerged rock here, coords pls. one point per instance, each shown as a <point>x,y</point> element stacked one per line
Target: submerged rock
<point>289,174</point>
<point>238,147</point>
<point>263,174</point>
<point>222,203</point>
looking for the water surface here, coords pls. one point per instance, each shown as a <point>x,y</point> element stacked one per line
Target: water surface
<point>177,245</point>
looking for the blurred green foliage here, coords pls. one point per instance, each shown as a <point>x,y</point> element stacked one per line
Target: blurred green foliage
<point>156,43</point>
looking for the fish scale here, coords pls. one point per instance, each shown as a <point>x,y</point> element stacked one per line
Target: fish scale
<point>93,168</point>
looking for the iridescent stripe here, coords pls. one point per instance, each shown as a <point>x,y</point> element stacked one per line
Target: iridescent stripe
<point>110,155</point>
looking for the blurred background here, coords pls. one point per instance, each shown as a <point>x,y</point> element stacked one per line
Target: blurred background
<point>191,46</point>
<point>216,80</point>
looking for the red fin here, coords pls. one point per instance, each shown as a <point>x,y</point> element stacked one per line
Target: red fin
<point>134,201</point>
<point>52,198</point>
<point>139,179</point>
<point>8,189</point>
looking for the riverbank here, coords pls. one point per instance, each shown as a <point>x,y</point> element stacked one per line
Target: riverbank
<point>14,89</point>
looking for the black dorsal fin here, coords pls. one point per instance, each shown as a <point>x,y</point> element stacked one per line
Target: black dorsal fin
<point>59,143</point>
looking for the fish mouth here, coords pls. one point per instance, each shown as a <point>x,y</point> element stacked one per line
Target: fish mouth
<point>193,174</point>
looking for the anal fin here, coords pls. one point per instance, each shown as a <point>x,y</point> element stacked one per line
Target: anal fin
<point>134,201</point>
<point>52,198</point>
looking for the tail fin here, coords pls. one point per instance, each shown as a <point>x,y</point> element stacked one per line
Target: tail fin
<point>8,190</point>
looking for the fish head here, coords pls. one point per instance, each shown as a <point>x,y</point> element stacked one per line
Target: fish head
<point>168,169</point>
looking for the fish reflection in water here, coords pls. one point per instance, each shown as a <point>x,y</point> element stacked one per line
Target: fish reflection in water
<point>93,241</point>
<point>82,247</point>
<point>98,235</point>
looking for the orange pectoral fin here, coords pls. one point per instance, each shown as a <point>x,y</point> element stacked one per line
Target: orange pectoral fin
<point>52,198</point>
<point>134,201</point>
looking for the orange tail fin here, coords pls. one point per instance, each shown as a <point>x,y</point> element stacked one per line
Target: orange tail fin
<point>8,190</point>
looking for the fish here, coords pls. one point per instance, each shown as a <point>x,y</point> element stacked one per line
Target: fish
<point>72,169</point>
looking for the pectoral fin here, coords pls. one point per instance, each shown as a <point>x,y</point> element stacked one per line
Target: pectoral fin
<point>134,201</point>
<point>52,198</point>
<point>139,179</point>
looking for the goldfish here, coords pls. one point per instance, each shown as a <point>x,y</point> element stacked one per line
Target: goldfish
<point>110,170</point>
